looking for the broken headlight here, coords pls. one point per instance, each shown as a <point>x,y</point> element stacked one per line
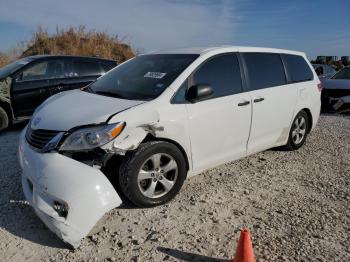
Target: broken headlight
<point>92,137</point>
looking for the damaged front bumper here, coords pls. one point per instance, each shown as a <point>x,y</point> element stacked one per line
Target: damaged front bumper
<point>68,196</point>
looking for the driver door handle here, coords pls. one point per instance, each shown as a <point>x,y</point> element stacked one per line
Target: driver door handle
<point>257,100</point>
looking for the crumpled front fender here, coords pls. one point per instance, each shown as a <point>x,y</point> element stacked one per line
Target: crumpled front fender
<point>51,177</point>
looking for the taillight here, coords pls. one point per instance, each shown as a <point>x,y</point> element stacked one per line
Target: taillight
<point>320,86</point>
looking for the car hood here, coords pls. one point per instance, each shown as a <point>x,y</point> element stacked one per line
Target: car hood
<point>77,108</point>
<point>336,84</point>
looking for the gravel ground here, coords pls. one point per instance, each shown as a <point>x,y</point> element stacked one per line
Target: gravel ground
<point>296,205</point>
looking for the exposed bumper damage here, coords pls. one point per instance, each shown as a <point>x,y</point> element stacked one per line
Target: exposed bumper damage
<point>340,104</point>
<point>68,196</point>
<point>335,96</point>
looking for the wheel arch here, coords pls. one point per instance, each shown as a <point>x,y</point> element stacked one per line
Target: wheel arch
<point>7,107</point>
<point>310,120</point>
<point>150,137</point>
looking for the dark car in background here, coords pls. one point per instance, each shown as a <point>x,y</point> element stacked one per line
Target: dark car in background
<point>324,71</point>
<point>336,92</point>
<point>26,83</point>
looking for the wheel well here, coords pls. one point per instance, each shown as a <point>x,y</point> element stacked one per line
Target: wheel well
<point>150,137</point>
<point>308,112</point>
<point>7,109</point>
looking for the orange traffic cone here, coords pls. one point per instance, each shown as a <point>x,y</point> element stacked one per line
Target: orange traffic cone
<point>244,251</point>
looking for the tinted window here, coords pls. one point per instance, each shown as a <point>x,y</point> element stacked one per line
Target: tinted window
<point>319,70</point>
<point>264,70</point>
<point>145,77</point>
<point>87,68</point>
<point>43,70</point>
<point>180,96</point>
<point>11,68</point>
<point>342,74</point>
<point>298,69</point>
<point>222,73</point>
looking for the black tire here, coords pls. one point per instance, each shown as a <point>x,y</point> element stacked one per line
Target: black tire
<point>4,120</point>
<point>294,144</point>
<point>135,160</point>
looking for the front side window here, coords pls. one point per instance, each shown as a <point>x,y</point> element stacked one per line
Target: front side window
<point>143,78</point>
<point>264,70</point>
<point>342,74</point>
<point>43,70</point>
<point>222,73</point>
<point>298,70</point>
<point>11,68</point>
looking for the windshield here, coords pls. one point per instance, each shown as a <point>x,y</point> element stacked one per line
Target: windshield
<point>342,74</point>
<point>144,77</point>
<point>10,68</point>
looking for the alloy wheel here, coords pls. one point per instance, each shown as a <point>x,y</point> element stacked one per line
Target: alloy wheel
<point>157,175</point>
<point>299,130</point>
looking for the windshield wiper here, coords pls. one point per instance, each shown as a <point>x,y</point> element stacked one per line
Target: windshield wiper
<point>108,93</point>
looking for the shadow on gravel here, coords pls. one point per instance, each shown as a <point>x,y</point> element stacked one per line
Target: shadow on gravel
<point>186,256</point>
<point>16,216</point>
<point>26,225</point>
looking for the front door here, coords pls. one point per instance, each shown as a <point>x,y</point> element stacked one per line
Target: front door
<point>219,127</point>
<point>34,84</point>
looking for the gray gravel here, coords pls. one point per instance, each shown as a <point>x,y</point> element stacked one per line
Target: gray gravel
<point>296,205</point>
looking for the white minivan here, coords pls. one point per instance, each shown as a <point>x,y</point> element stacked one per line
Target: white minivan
<point>144,127</point>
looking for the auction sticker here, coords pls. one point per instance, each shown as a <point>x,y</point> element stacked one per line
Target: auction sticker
<point>157,75</point>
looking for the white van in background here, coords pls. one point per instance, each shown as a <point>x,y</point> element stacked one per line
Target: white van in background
<point>156,119</point>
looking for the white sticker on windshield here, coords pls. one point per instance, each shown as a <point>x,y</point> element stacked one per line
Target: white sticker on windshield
<point>157,75</point>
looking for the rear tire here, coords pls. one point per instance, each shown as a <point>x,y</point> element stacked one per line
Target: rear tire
<point>298,131</point>
<point>153,174</point>
<point>4,120</point>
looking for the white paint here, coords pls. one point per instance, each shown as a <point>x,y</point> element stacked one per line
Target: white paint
<point>210,132</point>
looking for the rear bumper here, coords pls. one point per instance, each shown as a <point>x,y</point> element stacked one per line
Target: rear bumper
<point>51,178</point>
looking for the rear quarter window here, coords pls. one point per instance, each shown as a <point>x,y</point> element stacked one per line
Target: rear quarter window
<point>297,68</point>
<point>264,70</point>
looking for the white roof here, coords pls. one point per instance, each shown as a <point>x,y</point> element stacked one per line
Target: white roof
<point>226,48</point>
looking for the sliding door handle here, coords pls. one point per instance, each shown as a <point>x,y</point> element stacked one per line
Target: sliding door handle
<point>244,103</point>
<point>257,100</point>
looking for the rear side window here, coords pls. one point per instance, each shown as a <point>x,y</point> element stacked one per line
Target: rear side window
<point>87,68</point>
<point>79,68</point>
<point>297,68</point>
<point>222,73</point>
<point>264,70</point>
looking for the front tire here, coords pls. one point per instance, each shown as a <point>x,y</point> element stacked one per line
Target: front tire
<point>4,120</point>
<point>298,131</point>
<point>153,174</point>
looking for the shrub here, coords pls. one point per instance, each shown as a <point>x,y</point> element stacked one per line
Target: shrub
<point>71,41</point>
<point>4,59</point>
<point>78,41</point>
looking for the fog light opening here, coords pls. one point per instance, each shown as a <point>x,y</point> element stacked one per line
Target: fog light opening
<point>61,209</point>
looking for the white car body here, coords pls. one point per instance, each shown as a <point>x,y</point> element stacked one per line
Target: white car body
<point>209,133</point>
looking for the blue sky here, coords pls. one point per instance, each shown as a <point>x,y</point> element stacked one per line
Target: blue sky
<point>312,26</point>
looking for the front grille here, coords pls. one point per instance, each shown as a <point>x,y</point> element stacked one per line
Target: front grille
<point>39,138</point>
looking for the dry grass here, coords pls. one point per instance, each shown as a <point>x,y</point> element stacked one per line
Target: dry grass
<point>4,59</point>
<point>72,41</point>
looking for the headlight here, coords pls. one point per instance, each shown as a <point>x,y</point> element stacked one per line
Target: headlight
<point>92,137</point>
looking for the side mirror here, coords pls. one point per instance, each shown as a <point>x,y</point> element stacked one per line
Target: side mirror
<point>199,93</point>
